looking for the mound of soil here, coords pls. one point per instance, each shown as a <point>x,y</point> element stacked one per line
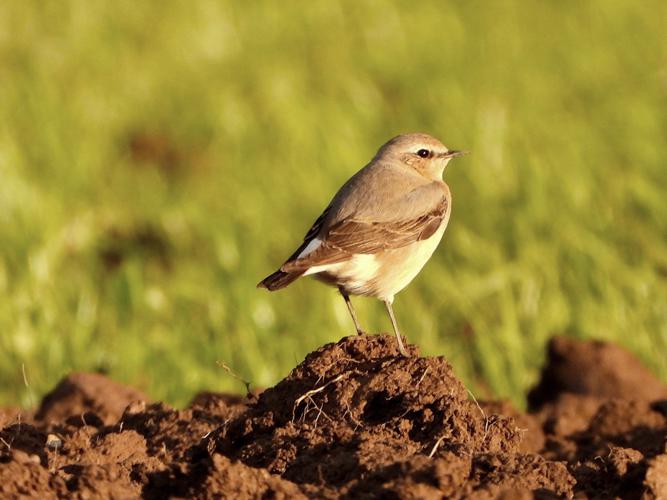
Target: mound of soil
<point>354,419</point>
<point>593,368</point>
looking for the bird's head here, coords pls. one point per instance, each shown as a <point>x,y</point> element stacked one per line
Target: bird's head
<point>421,152</point>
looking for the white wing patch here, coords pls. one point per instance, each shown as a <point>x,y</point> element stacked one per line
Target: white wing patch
<point>311,247</point>
<point>359,269</point>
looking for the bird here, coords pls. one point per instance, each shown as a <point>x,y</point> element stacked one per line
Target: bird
<point>380,228</point>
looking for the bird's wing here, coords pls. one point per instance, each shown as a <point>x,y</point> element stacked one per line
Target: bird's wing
<point>363,235</point>
<point>311,235</point>
<point>359,236</point>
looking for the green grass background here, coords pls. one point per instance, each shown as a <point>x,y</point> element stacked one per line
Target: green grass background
<point>157,159</point>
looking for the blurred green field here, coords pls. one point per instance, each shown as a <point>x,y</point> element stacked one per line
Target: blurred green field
<point>157,159</point>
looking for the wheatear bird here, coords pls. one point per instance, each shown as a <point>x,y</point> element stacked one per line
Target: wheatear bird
<point>380,228</point>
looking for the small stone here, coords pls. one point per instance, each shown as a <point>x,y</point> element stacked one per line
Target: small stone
<point>53,441</point>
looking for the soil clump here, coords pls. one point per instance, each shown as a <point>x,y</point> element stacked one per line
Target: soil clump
<point>353,420</point>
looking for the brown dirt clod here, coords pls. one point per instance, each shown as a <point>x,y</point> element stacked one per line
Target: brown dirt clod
<point>81,394</point>
<point>593,368</point>
<point>353,420</point>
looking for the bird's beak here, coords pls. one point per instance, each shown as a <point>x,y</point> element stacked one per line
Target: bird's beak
<point>452,153</point>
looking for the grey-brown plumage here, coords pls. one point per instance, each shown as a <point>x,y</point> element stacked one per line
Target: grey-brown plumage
<point>380,228</point>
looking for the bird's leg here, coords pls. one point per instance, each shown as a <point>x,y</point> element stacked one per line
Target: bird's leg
<point>350,308</point>
<point>402,350</point>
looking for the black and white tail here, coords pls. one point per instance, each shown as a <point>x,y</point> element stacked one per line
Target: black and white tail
<point>278,280</point>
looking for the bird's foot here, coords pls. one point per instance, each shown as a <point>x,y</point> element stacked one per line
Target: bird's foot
<point>401,347</point>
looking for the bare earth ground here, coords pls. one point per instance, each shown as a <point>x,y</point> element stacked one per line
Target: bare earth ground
<point>352,420</point>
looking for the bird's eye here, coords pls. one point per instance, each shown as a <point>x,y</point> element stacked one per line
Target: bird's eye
<point>424,153</point>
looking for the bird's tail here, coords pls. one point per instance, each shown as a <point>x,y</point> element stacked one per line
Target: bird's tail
<point>278,280</point>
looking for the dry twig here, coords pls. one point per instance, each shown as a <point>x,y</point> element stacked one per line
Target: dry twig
<point>238,377</point>
<point>308,397</point>
<point>435,446</point>
<point>422,377</point>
